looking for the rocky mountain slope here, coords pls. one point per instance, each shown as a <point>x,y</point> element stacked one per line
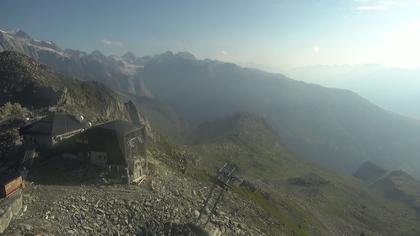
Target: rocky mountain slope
<point>370,172</point>
<point>400,186</point>
<point>397,186</point>
<point>286,197</point>
<point>62,195</point>
<point>280,193</point>
<point>306,198</point>
<point>336,128</point>
<point>33,85</point>
<point>65,200</point>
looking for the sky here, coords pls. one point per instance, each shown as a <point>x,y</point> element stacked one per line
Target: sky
<point>271,34</point>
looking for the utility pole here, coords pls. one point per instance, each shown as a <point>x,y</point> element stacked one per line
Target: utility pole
<point>224,176</point>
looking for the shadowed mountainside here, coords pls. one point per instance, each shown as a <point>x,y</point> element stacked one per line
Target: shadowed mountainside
<point>33,85</point>
<point>336,128</point>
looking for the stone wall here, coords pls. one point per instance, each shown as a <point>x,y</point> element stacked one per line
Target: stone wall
<point>9,208</point>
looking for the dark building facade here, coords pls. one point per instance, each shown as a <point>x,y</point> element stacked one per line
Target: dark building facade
<point>118,146</point>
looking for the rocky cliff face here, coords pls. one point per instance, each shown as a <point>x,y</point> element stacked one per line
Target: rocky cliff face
<point>25,81</point>
<point>93,100</point>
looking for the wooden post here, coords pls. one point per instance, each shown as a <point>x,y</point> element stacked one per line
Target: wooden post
<point>128,175</point>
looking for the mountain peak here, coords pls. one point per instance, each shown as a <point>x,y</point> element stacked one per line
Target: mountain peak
<point>22,34</point>
<point>167,53</point>
<point>186,55</point>
<point>74,53</point>
<point>4,32</point>
<point>369,171</point>
<point>129,57</point>
<point>98,55</point>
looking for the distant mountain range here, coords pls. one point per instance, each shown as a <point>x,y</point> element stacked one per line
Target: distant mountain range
<point>110,70</point>
<point>395,89</point>
<point>333,127</point>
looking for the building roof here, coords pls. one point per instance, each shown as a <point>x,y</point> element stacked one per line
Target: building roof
<point>54,124</point>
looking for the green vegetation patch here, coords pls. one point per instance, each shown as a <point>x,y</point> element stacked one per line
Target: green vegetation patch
<point>258,198</point>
